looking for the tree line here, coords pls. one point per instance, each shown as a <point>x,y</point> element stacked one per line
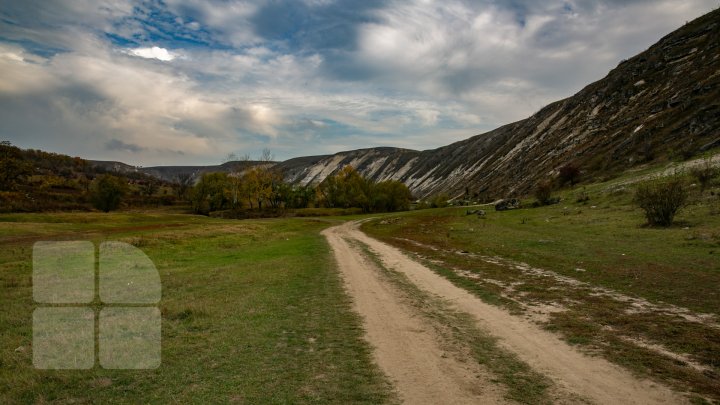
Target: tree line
<point>262,188</point>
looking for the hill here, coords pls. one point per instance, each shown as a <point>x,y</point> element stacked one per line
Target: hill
<point>662,104</point>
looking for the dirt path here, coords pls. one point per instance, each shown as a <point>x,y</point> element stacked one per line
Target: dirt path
<point>406,351</point>
<point>406,348</point>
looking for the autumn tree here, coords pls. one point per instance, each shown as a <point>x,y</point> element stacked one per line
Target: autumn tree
<point>261,183</point>
<point>349,189</point>
<point>107,191</point>
<point>346,189</point>
<point>211,193</point>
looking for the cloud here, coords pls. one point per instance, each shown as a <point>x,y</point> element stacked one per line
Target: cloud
<point>118,145</point>
<point>153,53</point>
<point>301,77</point>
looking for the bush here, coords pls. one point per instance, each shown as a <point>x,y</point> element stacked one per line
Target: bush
<point>107,191</point>
<point>569,173</point>
<point>582,197</point>
<point>661,200</point>
<point>439,201</point>
<point>543,193</point>
<point>705,173</point>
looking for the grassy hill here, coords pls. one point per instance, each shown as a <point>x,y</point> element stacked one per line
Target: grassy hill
<point>590,269</point>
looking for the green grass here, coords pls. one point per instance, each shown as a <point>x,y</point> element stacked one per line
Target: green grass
<point>604,243</point>
<point>252,312</point>
<point>606,237</point>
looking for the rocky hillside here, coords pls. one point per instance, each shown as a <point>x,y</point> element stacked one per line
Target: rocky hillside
<point>662,104</point>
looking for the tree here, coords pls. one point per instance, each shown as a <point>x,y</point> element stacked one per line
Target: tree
<point>390,196</point>
<point>346,189</point>
<point>211,193</point>
<point>300,197</point>
<point>183,183</point>
<point>13,167</point>
<point>266,156</point>
<point>258,186</point>
<point>149,187</point>
<point>661,200</point>
<point>107,191</point>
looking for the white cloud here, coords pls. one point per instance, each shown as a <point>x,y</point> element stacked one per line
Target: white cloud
<point>153,53</point>
<point>501,65</point>
<point>229,19</point>
<point>432,73</point>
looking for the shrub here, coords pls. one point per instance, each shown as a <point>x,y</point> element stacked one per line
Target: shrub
<point>661,200</point>
<point>570,173</point>
<point>107,191</point>
<point>705,173</point>
<point>439,201</point>
<point>582,197</point>
<point>543,193</point>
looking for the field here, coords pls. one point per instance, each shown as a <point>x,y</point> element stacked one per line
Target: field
<point>252,312</point>
<point>259,311</point>
<point>645,298</point>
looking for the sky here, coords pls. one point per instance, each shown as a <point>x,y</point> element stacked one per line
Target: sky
<point>181,82</point>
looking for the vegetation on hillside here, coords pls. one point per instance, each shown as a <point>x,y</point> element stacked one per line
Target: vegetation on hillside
<point>33,180</point>
<point>106,192</point>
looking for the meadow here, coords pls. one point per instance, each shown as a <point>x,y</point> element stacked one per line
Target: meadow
<point>591,270</point>
<point>252,312</point>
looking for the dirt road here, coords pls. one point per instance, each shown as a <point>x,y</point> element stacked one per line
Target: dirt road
<point>407,349</point>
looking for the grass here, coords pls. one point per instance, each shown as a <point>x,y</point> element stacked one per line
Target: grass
<point>252,312</point>
<point>605,244</point>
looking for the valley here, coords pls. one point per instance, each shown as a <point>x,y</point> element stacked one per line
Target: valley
<point>571,257</point>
